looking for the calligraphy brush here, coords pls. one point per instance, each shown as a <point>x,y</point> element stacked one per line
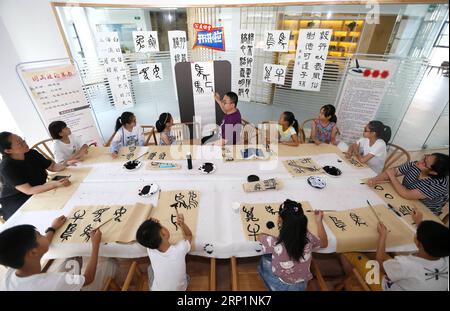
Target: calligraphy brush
<point>373,211</point>
<point>140,156</point>
<point>321,210</point>
<point>104,223</point>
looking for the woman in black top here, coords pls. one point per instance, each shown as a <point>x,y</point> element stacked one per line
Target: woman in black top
<point>23,173</point>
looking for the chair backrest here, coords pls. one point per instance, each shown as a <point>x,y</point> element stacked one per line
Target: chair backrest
<point>395,153</point>
<point>149,132</point>
<point>306,128</point>
<point>264,127</point>
<point>249,133</point>
<point>44,148</point>
<point>444,214</point>
<point>182,131</point>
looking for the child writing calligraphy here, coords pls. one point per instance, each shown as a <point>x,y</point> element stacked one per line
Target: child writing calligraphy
<point>168,266</point>
<point>127,133</point>
<point>163,126</point>
<point>21,250</point>
<point>324,128</point>
<point>67,147</point>
<point>288,129</point>
<point>286,267</point>
<point>371,148</point>
<point>425,270</point>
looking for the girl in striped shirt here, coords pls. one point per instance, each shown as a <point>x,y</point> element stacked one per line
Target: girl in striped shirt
<point>425,180</point>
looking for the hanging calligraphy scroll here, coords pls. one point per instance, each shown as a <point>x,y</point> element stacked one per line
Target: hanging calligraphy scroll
<point>246,60</point>
<point>145,41</point>
<point>276,40</point>
<point>150,72</point>
<point>312,51</point>
<point>110,52</point>
<point>273,73</point>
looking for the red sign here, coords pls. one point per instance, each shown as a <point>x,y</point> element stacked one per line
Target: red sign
<point>200,26</point>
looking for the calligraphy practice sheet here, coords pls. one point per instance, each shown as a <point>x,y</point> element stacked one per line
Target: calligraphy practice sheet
<point>119,223</point>
<point>263,185</point>
<point>170,204</point>
<point>263,218</point>
<point>356,229</point>
<point>302,167</point>
<point>403,208</point>
<point>56,199</point>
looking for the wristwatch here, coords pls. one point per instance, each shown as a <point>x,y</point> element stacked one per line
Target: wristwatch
<point>50,229</point>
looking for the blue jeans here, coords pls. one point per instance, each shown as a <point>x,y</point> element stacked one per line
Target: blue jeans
<point>272,282</point>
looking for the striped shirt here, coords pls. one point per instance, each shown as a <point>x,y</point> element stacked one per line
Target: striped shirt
<point>434,190</point>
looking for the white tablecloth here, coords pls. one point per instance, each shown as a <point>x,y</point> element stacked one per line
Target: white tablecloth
<point>219,225</point>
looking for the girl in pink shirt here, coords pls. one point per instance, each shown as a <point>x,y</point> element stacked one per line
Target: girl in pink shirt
<point>286,266</point>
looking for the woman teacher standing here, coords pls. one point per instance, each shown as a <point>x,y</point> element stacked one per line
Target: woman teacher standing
<point>23,172</point>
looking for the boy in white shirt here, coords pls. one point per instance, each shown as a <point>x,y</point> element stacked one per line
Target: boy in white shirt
<point>167,271</point>
<point>21,249</point>
<point>426,270</point>
<point>67,147</point>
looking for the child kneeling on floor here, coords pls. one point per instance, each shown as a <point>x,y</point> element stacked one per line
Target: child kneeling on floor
<point>167,271</point>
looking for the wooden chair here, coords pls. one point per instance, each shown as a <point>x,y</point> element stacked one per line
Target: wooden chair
<point>444,214</point>
<point>134,272</point>
<point>318,276</point>
<point>245,276</point>
<point>202,277</point>
<point>395,153</point>
<point>149,131</point>
<point>182,131</point>
<point>353,282</point>
<point>2,221</point>
<point>249,133</point>
<point>304,127</point>
<point>43,148</point>
<point>264,126</point>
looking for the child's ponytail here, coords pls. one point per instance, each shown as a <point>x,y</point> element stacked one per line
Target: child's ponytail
<point>381,131</point>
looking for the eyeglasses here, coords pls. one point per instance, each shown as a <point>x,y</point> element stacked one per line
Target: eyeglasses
<point>424,160</point>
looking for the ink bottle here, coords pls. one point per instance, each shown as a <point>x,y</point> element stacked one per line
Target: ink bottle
<point>189,160</point>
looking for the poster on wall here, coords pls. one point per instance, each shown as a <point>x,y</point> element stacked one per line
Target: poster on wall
<point>57,94</point>
<point>365,85</point>
<point>108,47</point>
<point>276,40</point>
<point>145,41</point>
<point>150,72</point>
<point>312,51</point>
<point>246,60</point>
<point>203,90</point>
<point>213,39</point>
<point>273,73</point>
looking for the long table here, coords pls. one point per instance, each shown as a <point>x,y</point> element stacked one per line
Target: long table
<point>219,230</point>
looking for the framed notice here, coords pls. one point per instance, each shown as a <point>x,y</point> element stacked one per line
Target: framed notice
<point>57,93</point>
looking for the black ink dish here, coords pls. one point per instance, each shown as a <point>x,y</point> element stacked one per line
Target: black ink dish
<point>332,171</point>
